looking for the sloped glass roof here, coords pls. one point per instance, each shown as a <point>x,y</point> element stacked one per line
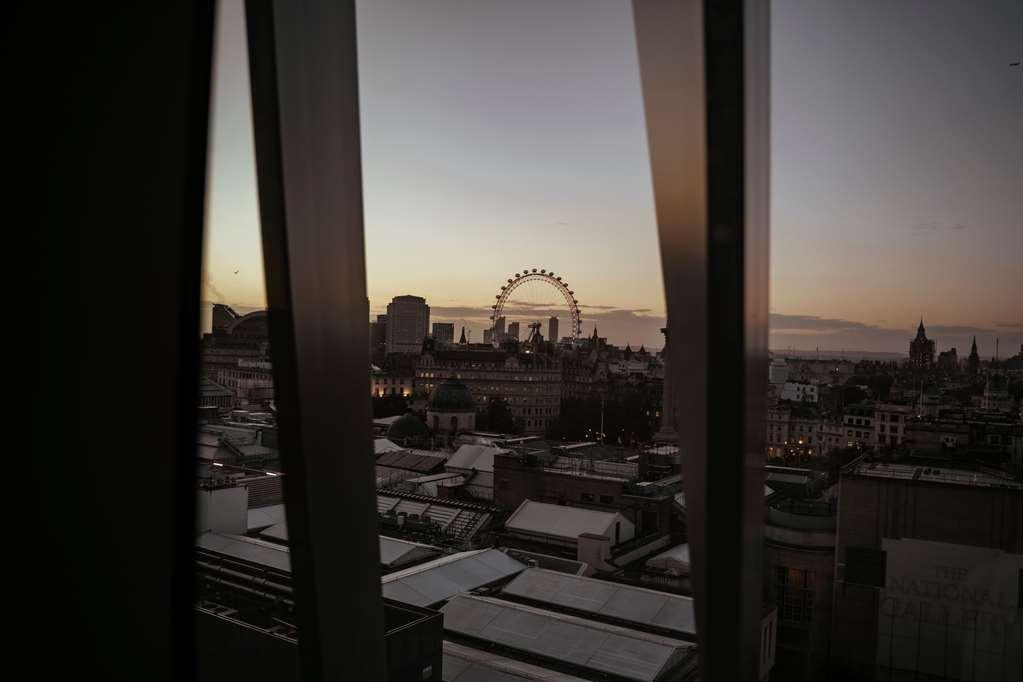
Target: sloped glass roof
<point>442,578</point>
<point>247,549</point>
<point>592,646</point>
<point>631,605</point>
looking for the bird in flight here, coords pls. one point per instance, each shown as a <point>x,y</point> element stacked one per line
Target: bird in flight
<point>236,272</point>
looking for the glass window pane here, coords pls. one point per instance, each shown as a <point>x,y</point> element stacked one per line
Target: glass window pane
<point>894,211</point>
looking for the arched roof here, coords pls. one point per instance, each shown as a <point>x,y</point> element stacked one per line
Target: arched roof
<point>452,396</point>
<point>247,320</point>
<point>409,426</point>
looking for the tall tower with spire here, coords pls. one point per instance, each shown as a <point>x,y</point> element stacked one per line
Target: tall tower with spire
<point>921,349</point>
<point>666,434</point>
<point>973,363</point>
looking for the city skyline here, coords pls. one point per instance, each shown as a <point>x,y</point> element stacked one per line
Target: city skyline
<point>520,165</point>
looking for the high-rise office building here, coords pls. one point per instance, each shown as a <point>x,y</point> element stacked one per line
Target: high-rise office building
<point>408,319</point>
<point>513,331</point>
<point>552,329</point>
<point>444,331</point>
<point>378,331</point>
<point>499,327</point>
<point>378,340</point>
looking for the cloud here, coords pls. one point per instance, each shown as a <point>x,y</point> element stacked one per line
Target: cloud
<point>934,226</point>
<point>637,326</point>
<point>812,323</point>
<point>459,311</point>
<point>804,332</point>
<point>953,330</point>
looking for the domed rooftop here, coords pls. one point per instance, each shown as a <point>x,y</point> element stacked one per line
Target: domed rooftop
<point>452,396</point>
<point>409,426</point>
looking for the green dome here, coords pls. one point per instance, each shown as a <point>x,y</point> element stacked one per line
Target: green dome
<point>409,426</point>
<point>452,396</point>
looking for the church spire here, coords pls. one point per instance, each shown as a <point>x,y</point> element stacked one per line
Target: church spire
<point>973,362</point>
<point>462,340</point>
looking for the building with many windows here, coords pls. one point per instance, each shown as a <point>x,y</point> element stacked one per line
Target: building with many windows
<point>921,349</point>
<point>233,338</point>
<point>383,383</point>
<point>890,424</point>
<point>408,323</point>
<point>529,383</point>
<point>444,332</point>
<point>799,555</point>
<point>251,381</point>
<point>859,424</point>
<point>799,391</point>
<point>213,395</point>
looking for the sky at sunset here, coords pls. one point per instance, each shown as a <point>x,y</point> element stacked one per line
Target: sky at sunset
<point>503,135</point>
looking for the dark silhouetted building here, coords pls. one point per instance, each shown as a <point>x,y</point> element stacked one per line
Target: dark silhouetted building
<point>948,360</point>
<point>799,558</point>
<point>921,349</point>
<point>444,332</point>
<point>973,363</point>
<point>929,561</point>
<point>408,322</point>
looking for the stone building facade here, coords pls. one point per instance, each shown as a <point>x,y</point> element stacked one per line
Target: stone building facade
<point>529,383</point>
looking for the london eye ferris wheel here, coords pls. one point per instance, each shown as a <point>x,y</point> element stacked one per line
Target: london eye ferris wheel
<point>532,295</point>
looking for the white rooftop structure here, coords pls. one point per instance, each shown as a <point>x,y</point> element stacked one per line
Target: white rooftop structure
<point>559,522</point>
<point>598,648</point>
<point>208,445</point>
<point>465,664</point>
<point>594,468</point>
<point>276,533</point>
<point>933,474</point>
<point>478,457</point>
<point>440,579</point>
<point>675,560</point>
<point>395,553</point>
<point>629,605</point>
<point>264,517</point>
<point>384,445</point>
<point>267,554</point>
